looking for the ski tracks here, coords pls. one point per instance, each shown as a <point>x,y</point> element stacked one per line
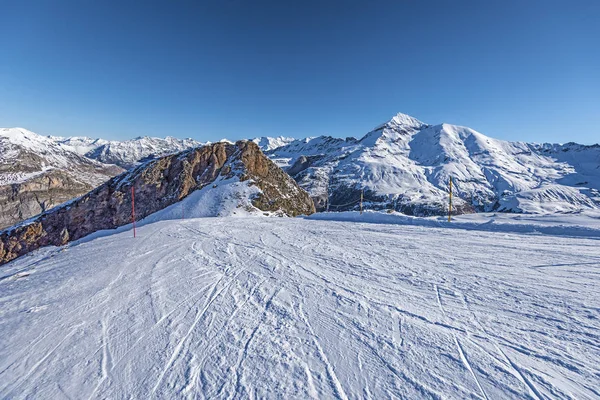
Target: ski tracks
<point>534,392</point>
<point>337,386</point>
<point>244,353</point>
<point>518,372</point>
<point>215,292</point>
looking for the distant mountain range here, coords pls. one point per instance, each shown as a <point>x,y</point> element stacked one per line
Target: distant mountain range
<point>127,153</point>
<point>403,164</point>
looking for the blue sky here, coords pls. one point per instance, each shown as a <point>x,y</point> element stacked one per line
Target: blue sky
<point>516,70</point>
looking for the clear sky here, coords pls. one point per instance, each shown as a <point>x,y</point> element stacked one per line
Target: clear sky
<point>517,70</point>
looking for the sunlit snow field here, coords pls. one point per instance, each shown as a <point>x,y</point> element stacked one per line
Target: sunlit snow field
<point>305,308</point>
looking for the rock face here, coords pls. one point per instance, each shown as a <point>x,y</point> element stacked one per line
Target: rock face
<point>36,174</point>
<point>158,184</point>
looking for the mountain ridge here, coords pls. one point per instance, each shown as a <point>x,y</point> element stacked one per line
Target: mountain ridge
<point>405,164</point>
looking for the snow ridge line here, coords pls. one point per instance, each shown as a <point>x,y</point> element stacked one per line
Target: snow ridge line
<point>337,386</point>
<point>439,298</point>
<point>467,364</point>
<point>459,347</point>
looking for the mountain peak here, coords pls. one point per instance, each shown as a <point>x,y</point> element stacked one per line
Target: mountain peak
<point>403,121</point>
<point>406,121</point>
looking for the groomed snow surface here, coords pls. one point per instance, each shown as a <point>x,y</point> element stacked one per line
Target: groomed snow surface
<point>302,308</point>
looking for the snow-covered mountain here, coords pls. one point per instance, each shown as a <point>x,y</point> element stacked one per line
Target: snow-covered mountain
<point>267,143</point>
<point>37,174</point>
<point>406,165</point>
<point>79,144</point>
<point>129,153</point>
<point>126,153</point>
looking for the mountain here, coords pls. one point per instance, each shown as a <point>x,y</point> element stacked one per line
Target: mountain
<point>127,153</point>
<point>37,174</point>
<point>267,143</point>
<point>215,180</point>
<point>405,164</point>
<point>79,144</point>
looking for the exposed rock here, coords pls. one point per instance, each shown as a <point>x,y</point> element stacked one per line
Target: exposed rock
<point>158,184</point>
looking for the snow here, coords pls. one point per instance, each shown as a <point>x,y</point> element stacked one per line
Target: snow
<point>410,163</point>
<point>308,308</point>
<point>9,178</point>
<point>125,153</point>
<point>402,120</point>
<point>222,198</point>
<point>584,224</point>
<point>10,138</point>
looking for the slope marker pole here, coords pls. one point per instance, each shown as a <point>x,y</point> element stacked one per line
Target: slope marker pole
<point>450,202</point>
<point>133,209</point>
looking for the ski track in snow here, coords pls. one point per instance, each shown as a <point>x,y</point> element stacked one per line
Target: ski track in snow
<point>233,308</point>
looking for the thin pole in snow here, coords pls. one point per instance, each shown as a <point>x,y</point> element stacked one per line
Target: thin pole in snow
<point>450,202</point>
<point>182,211</point>
<point>133,209</point>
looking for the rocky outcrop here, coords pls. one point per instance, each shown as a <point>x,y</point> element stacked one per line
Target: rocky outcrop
<point>158,184</point>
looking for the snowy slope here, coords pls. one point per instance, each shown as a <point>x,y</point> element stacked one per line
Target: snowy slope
<point>293,308</point>
<point>406,164</point>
